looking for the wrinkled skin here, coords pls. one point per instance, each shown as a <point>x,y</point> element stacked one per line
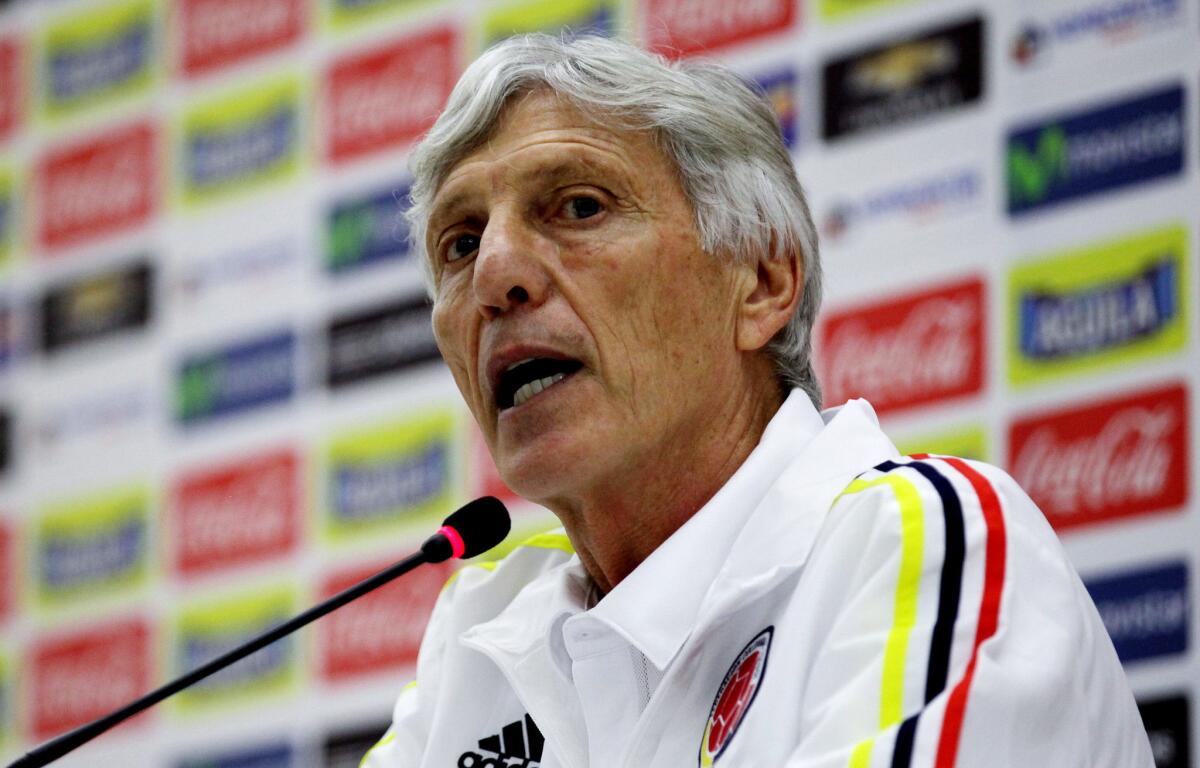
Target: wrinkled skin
<point>566,239</point>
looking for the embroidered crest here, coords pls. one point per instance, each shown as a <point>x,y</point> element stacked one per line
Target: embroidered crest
<point>734,697</point>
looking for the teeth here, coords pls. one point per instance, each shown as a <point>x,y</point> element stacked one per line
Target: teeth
<point>535,387</point>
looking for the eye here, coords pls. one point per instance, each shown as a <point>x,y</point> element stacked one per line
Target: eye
<point>462,245</point>
<point>582,207</point>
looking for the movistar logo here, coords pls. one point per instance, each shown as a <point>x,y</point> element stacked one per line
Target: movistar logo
<point>246,375</point>
<point>349,231</point>
<point>367,229</point>
<point>197,389</point>
<point>1096,150</point>
<point>1033,170</point>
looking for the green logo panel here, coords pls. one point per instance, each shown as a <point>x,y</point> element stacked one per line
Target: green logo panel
<point>1031,174</point>
<point>552,16</point>
<point>240,141</point>
<point>966,442</point>
<point>837,10</point>
<point>8,690</point>
<point>91,548</point>
<point>207,629</point>
<point>341,15</point>
<point>1099,306</point>
<point>98,56</point>
<point>8,216</point>
<point>390,478</point>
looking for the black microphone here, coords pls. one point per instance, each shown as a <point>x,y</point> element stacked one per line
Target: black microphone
<point>473,529</point>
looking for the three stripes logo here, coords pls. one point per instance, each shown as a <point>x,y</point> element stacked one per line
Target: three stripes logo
<point>518,745</point>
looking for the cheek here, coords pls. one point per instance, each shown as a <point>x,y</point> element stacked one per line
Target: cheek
<point>694,317</point>
<point>451,330</point>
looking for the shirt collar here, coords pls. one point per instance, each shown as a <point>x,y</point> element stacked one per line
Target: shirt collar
<point>655,607</point>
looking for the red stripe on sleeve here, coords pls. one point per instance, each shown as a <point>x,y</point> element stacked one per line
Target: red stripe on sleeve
<point>989,609</point>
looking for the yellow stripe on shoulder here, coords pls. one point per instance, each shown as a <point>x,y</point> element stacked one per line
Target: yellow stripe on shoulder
<point>388,737</point>
<point>860,484</point>
<point>549,540</point>
<point>487,565</point>
<point>905,598</point>
<point>544,540</point>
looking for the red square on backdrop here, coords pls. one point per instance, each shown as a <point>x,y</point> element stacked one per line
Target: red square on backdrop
<point>219,33</point>
<point>79,676</point>
<point>97,187</point>
<point>381,630</point>
<point>8,572</point>
<point>906,351</point>
<point>387,97</point>
<point>678,28</point>
<point>11,91</point>
<point>1110,459</point>
<point>236,514</point>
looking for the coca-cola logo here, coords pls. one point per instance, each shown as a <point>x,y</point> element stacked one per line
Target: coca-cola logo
<point>218,33</point>
<point>908,351</point>
<point>683,27</point>
<point>82,676</point>
<point>382,630</point>
<point>386,97</point>
<point>1107,460</point>
<point>237,514</point>
<point>99,187</point>
<point>10,86</point>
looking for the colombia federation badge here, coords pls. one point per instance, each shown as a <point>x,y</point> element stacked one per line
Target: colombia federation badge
<point>734,697</point>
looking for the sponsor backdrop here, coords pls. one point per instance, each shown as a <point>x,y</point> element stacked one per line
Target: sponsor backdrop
<point>220,399</point>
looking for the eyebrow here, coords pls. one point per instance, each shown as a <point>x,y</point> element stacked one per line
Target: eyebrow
<point>552,170</point>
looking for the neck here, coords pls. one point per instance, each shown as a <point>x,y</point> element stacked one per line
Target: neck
<point>616,524</point>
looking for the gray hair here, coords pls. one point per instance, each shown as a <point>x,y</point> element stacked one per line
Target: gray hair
<point>721,135</point>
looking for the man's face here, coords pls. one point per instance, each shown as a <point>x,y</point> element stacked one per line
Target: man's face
<point>590,335</point>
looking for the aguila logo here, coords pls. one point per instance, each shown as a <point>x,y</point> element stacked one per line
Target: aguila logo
<point>734,697</point>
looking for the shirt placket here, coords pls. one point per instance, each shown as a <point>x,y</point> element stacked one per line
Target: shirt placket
<point>605,677</point>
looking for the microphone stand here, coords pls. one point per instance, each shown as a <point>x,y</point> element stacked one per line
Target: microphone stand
<point>61,745</point>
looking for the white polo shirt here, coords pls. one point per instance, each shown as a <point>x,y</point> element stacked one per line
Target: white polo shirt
<point>614,654</point>
<point>834,604</point>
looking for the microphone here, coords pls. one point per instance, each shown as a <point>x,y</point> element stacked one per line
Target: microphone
<point>469,531</point>
<point>473,529</point>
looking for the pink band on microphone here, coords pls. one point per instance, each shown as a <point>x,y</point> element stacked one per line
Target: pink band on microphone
<point>457,545</point>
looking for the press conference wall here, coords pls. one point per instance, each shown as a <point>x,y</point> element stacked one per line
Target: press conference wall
<point>220,399</point>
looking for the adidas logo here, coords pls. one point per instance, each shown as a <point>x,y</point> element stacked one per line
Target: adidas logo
<point>518,745</point>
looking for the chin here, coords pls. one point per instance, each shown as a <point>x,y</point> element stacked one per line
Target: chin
<point>533,482</point>
<point>540,475</point>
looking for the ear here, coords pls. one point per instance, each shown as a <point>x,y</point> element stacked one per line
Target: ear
<point>769,301</point>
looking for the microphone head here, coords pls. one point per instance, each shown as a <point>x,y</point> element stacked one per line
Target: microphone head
<point>482,524</point>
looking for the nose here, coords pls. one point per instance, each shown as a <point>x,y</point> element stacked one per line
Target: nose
<point>508,272</point>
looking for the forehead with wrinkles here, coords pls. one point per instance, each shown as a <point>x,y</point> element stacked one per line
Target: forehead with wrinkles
<point>542,141</point>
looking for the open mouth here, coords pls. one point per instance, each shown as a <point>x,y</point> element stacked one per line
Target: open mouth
<point>530,377</point>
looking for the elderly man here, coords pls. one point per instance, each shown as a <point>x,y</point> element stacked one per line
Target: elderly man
<point>625,276</point>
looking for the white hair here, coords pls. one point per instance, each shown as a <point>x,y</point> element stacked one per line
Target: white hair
<point>719,132</point>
